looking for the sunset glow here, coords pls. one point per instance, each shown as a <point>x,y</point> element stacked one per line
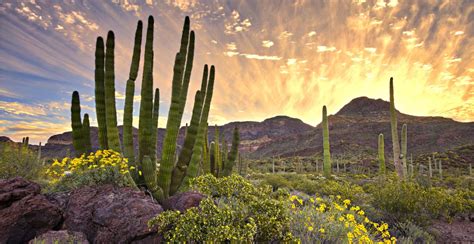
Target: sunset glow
<point>271,57</point>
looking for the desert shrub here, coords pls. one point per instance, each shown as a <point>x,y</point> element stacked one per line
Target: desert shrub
<point>235,210</point>
<point>333,220</point>
<point>408,201</point>
<point>408,232</point>
<point>277,181</point>
<point>17,160</point>
<point>101,167</point>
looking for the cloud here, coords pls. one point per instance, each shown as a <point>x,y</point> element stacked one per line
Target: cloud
<point>234,24</point>
<point>231,46</point>
<point>285,35</point>
<point>21,109</point>
<point>260,57</point>
<point>183,5</point>
<point>312,33</point>
<point>321,49</point>
<point>267,43</point>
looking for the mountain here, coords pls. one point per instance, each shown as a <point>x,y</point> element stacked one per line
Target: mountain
<point>354,129</point>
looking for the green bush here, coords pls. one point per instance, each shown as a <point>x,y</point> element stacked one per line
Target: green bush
<point>408,201</point>
<point>408,232</point>
<point>235,210</point>
<point>16,160</point>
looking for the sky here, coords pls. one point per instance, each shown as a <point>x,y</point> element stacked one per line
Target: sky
<point>272,57</point>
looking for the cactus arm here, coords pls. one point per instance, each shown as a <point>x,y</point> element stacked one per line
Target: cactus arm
<point>146,106</point>
<point>110,110</point>
<point>168,154</point>
<point>128,148</point>
<point>76,125</point>
<point>100,92</point>
<point>149,174</point>
<point>154,125</point>
<point>86,130</point>
<point>197,150</point>
<point>230,162</point>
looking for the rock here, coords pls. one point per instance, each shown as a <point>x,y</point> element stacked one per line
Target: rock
<point>28,217</point>
<point>183,201</point>
<point>15,189</point>
<point>109,214</point>
<point>61,237</point>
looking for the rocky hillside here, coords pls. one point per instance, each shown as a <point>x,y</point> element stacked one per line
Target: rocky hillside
<point>354,129</point>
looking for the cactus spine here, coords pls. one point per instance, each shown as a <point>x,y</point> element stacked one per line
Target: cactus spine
<point>326,152</point>
<point>110,110</point>
<point>100,92</point>
<point>382,168</point>
<point>127,135</point>
<point>393,126</point>
<point>86,130</point>
<point>76,125</point>
<point>403,154</point>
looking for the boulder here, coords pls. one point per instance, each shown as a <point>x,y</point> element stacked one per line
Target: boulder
<point>15,189</point>
<point>109,214</point>
<point>183,201</point>
<point>28,217</point>
<point>61,237</point>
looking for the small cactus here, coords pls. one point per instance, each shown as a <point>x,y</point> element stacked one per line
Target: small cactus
<point>381,149</point>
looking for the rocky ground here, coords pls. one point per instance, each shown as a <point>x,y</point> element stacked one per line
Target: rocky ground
<point>101,214</point>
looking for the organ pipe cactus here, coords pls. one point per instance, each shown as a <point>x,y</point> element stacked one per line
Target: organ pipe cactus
<point>178,97</point>
<point>403,155</point>
<point>430,170</point>
<point>212,157</point>
<point>217,151</point>
<point>86,130</point>
<point>127,135</point>
<point>381,149</point>
<point>232,156</point>
<point>100,92</point>
<point>110,110</point>
<point>326,152</point>
<point>393,126</point>
<point>76,125</point>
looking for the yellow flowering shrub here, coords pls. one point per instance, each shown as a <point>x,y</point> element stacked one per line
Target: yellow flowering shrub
<point>100,167</point>
<point>317,220</point>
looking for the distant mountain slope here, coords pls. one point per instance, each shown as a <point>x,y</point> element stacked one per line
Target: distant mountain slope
<point>354,129</point>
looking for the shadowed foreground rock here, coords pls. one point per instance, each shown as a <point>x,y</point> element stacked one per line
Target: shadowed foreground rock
<point>24,213</point>
<point>108,214</point>
<point>183,201</point>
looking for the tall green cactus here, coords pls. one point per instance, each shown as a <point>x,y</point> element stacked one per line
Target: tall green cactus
<point>197,150</point>
<point>232,156</point>
<point>394,129</point>
<point>145,124</point>
<point>86,130</point>
<point>217,151</point>
<point>127,134</point>
<point>110,110</point>
<point>178,91</point>
<point>154,122</point>
<point>76,125</point>
<point>212,159</point>
<point>326,151</point>
<point>381,148</point>
<point>404,149</point>
<point>100,92</point>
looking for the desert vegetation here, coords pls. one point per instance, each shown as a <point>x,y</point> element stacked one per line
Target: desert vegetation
<point>212,192</point>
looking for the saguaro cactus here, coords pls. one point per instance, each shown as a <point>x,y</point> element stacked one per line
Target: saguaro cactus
<point>430,170</point>
<point>86,130</point>
<point>393,126</point>
<point>382,168</point>
<point>127,135</point>
<point>326,151</point>
<point>110,110</point>
<point>100,92</point>
<point>76,125</point>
